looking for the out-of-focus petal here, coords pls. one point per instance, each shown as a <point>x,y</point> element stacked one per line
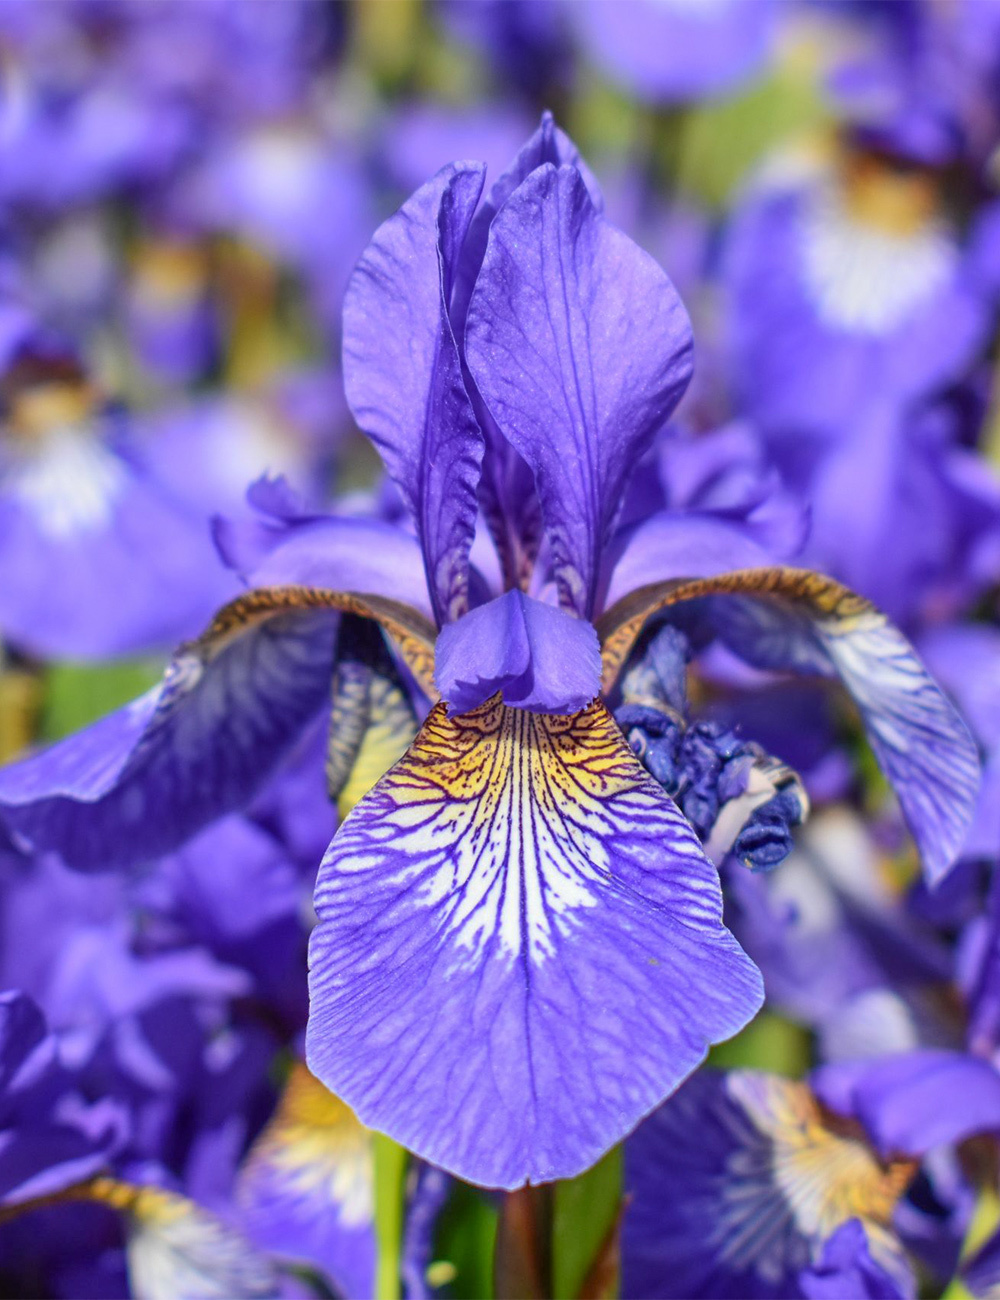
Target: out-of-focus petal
<point>511,913</point>
<point>909,1102</point>
<point>95,558</point>
<point>176,1248</point>
<point>796,620</point>
<point>736,1183</point>
<point>403,374</point>
<point>580,348</point>
<point>847,1268</point>
<point>536,655</point>
<point>669,50</point>
<point>41,1150</point>
<point>306,1189</point>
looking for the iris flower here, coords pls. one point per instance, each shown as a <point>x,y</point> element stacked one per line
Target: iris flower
<point>741,1185</point>
<point>519,949</point>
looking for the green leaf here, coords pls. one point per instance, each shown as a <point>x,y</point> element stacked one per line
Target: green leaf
<point>390,1178</point>
<point>586,1212</point>
<point>78,694</point>
<point>466,1240</point>
<point>724,139</point>
<point>770,1042</point>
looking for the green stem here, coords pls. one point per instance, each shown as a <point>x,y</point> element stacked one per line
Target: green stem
<point>585,1229</point>
<point>390,1177</point>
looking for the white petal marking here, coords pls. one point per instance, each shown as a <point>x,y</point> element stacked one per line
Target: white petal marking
<point>866,280</point>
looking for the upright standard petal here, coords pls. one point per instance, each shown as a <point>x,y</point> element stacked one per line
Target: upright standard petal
<point>580,348</point>
<point>230,707</point>
<point>507,490</point>
<point>548,144</point>
<point>799,621</point>
<point>537,656</point>
<point>403,374</point>
<point>520,947</point>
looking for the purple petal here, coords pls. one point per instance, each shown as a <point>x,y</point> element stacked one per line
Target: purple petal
<point>26,1051</point>
<point>40,1152</point>
<point>306,1192</point>
<point>403,375</point>
<point>96,559</point>
<point>675,545</point>
<point>964,659</point>
<point>539,657</point>
<point>736,1183</point>
<point>426,1201</point>
<point>847,1268</point>
<point>520,947</point>
<point>666,52</point>
<point>580,348</point>
<point>548,144</point>
<point>907,1102</point>
<point>44,1158</point>
<point>507,489</point>
<point>796,620</point>
<point>143,780</point>
<point>362,555</point>
<point>231,706</point>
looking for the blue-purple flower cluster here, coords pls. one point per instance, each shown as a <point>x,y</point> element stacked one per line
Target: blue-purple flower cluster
<point>553,846</point>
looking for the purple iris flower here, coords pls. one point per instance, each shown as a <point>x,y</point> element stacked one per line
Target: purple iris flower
<point>519,949</point>
<point>98,556</point>
<point>851,293</point>
<point>740,1186</point>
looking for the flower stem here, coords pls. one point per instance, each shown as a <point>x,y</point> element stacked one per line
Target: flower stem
<point>585,1232</point>
<point>390,1177</point>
